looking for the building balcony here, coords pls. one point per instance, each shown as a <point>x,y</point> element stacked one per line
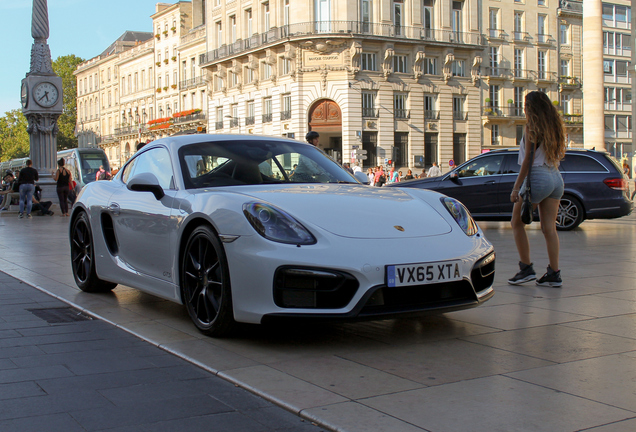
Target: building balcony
<point>267,118</point>
<point>370,113</point>
<point>622,134</point>
<point>401,114</point>
<point>523,37</point>
<point>545,39</point>
<point>192,82</point>
<point>130,130</point>
<point>502,112</point>
<point>285,115</point>
<point>573,119</point>
<point>234,122</point>
<point>496,35</point>
<point>522,75</point>
<point>308,30</point>
<point>190,118</point>
<point>570,8</point>
<point>569,83</point>
<point>498,73</point>
<point>250,120</point>
<point>218,125</point>
<point>545,76</point>
<point>431,114</point>
<point>460,115</point>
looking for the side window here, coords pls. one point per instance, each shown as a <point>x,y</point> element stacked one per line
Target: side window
<point>281,166</point>
<point>157,162</point>
<point>511,166</point>
<point>581,163</point>
<point>485,166</point>
<point>128,170</point>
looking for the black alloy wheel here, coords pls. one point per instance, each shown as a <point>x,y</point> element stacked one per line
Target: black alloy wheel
<point>205,283</point>
<point>570,213</point>
<point>83,257</point>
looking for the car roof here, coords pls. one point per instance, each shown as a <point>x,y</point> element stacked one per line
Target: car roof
<point>568,150</point>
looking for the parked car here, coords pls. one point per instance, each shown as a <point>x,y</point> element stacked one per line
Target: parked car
<point>595,186</point>
<point>223,225</point>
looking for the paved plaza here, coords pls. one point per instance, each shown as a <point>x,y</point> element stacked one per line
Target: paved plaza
<point>531,359</point>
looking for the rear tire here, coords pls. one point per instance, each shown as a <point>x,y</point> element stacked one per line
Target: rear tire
<point>83,257</point>
<point>570,213</point>
<point>205,283</point>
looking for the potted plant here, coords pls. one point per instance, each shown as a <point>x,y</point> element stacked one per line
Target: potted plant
<point>174,29</point>
<point>555,103</point>
<point>159,90</point>
<point>174,86</point>
<point>157,36</point>
<point>510,101</point>
<point>158,63</point>
<point>165,88</point>
<point>166,61</point>
<point>165,32</point>
<point>174,58</point>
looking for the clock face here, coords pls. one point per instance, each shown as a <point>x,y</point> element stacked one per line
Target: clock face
<point>24,95</point>
<point>45,94</point>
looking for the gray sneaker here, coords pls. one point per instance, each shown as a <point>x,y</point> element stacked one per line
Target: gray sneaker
<point>551,279</point>
<point>526,274</point>
<point>20,216</point>
<point>29,216</point>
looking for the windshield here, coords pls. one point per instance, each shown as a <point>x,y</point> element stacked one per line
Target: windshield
<point>250,162</point>
<point>90,163</point>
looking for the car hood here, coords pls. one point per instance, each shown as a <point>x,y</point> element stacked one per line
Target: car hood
<point>356,211</point>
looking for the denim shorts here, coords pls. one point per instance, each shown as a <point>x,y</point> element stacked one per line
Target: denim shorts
<point>546,182</point>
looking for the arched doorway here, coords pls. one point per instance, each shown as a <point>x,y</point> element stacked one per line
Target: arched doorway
<point>325,117</point>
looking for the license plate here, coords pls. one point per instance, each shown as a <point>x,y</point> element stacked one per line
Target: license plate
<point>423,273</point>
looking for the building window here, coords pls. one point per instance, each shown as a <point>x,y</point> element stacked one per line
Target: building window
<point>233,28</point>
<point>541,2</point>
<point>219,33</point>
<point>287,107</point>
<point>428,17</point>
<point>493,93</point>
<point>458,68</point>
<point>566,102</point>
<point>565,68</point>
<point>541,64</point>
<point>367,62</point>
<point>565,34</point>
<point>266,20</point>
<point>494,135</point>
<point>233,79</point>
<point>458,108</point>
<point>430,66</point>
<point>400,64</point>
<point>457,19</point>
<point>267,110</point>
<point>267,71</point>
<point>397,13</point>
<point>493,20</point>
<point>518,63</point>
<point>249,109</point>
<point>248,23</point>
<point>366,11</point>
<point>286,66</point>
<point>430,111</point>
<point>368,104</point>
<point>519,97</point>
<point>399,106</point>
<point>249,75</point>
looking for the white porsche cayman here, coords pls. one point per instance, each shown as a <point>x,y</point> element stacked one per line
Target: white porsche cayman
<point>251,229</point>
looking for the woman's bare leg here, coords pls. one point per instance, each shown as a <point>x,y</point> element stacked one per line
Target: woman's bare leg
<point>548,210</point>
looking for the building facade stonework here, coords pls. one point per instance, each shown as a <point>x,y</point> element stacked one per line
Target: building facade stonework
<point>409,81</point>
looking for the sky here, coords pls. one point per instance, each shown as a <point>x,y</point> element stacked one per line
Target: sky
<point>81,27</point>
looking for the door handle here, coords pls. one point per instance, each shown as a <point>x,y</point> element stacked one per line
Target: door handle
<point>114,209</point>
<point>490,182</point>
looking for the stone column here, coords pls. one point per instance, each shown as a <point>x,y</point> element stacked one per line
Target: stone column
<point>593,77</point>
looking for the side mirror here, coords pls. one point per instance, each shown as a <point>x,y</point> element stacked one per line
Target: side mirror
<point>146,182</point>
<point>454,177</point>
<point>361,177</point>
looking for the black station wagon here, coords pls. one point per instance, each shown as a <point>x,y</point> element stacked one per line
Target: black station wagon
<point>595,186</point>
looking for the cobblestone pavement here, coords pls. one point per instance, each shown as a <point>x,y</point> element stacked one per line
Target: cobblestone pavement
<point>531,359</point>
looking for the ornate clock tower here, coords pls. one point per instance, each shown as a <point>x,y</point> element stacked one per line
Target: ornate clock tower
<point>42,100</point>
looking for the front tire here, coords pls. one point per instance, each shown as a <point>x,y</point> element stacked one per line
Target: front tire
<point>570,213</point>
<point>205,283</point>
<point>83,257</point>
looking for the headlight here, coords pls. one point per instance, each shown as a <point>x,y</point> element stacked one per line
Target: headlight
<point>276,225</point>
<point>461,216</point>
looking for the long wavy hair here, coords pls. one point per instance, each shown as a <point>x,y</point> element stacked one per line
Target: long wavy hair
<point>545,126</point>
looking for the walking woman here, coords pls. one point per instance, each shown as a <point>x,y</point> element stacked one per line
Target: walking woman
<point>63,178</point>
<point>544,131</point>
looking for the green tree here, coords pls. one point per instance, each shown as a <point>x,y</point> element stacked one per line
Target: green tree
<point>14,139</point>
<point>64,66</point>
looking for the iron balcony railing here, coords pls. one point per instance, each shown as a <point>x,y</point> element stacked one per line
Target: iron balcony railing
<point>497,72</point>
<point>460,115</point>
<point>370,113</point>
<point>401,114</point>
<point>267,118</point>
<point>192,82</point>
<point>234,122</point>
<point>431,114</point>
<point>573,119</point>
<point>546,76</point>
<point>326,28</point>
<point>249,120</point>
<point>521,36</point>
<point>545,39</point>
<point>502,111</point>
<point>497,34</point>
<point>218,125</point>
<point>128,130</point>
<point>569,82</point>
<point>285,115</point>
<point>523,74</point>
<point>190,118</point>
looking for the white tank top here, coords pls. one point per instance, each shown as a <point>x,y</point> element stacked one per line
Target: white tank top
<point>539,154</point>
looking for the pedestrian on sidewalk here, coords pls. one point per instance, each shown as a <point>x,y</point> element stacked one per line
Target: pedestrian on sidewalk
<point>545,137</point>
<point>27,178</point>
<point>63,178</point>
